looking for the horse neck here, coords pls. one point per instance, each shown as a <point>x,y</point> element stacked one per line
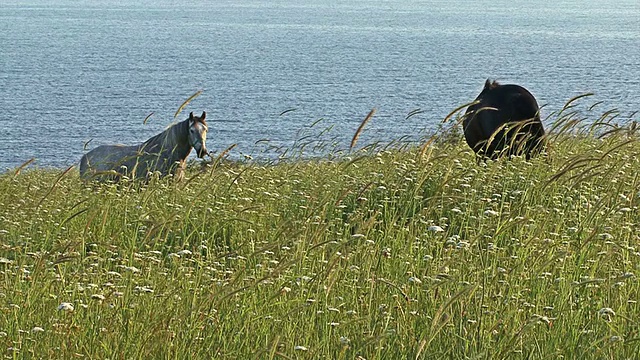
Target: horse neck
<point>174,141</point>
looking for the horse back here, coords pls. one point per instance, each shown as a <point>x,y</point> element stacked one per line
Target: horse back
<point>108,158</point>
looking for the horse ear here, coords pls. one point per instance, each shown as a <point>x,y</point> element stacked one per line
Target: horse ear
<point>203,116</point>
<point>487,84</point>
<point>191,116</point>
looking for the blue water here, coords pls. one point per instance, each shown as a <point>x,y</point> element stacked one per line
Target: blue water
<point>71,71</point>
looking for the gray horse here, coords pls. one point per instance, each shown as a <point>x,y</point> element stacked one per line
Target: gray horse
<point>165,153</point>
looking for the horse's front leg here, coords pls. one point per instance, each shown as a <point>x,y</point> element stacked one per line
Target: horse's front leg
<point>181,168</point>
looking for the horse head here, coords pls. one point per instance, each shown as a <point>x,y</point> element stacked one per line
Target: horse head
<point>198,134</point>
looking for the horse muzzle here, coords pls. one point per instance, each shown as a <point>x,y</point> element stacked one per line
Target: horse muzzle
<point>202,152</point>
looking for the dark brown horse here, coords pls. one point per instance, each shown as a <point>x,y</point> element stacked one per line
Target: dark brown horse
<point>504,120</point>
<point>165,153</point>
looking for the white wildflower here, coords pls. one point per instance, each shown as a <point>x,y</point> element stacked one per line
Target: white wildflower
<point>435,228</point>
<point>37,329</point>
<point>463,244</point>
<point>65,306</point>
<point>133,269</point>
<point>606,313</point>
<point>543,319</point>
<point>300,347</point>
<point>491,213</point>
<point>143,289</point>
<point>615,338</point>
<point>605,236</point>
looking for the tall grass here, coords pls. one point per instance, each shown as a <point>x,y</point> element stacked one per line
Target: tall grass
<point>412,253</point>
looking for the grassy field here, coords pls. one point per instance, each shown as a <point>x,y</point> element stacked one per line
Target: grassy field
<point>414,253</point>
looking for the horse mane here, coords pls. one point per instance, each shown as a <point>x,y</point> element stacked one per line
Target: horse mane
<point>491,84</point>
<point>171,133</point>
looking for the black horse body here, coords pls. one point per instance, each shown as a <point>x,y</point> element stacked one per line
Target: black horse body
<point>505,120</point>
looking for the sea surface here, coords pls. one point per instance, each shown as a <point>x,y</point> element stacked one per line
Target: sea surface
<point>74,71</point>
